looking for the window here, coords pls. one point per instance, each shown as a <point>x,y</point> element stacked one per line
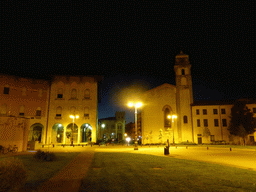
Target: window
<point>183,72</point>
<point>60,93</point>
<point>38,111</point>
<point>73,94</point>
<point>197,112</point>
<point>119,127</point>
<point>6,90</point>
<point>223,111</point>
<point>216,122</point>
<point>224,122</point>
<point>206,122</point>
<point>212,138</point>
<point>86,112</point>
<point>215,111</point>
<point>254,110</point>
<point>3,109</point>
<point>22,109</point>
<point>198,122</point>
<point>185,119</point>
<point>113,126</point>
<point>87,94</point>
<point>58,112</point>
<point>204,111</point>
<point>167,122</point>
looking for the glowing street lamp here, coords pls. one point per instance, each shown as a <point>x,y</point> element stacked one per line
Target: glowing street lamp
<point>136,105</point>
<point>128,139</point>
<point>73,117</point>
<point>172,117</point>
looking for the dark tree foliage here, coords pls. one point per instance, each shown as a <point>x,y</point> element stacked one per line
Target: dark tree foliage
<point>242,122</point>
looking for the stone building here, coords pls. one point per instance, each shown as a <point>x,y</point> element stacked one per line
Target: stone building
<point>197,122</point>
<point>112,127</point>
<point>41,110</point>
<point>26,100</point>
<point>75,96</point>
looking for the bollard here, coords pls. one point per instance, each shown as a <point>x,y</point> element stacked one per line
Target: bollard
<point>73,145</point>
<point>230,149</point>
<point>82,145</point>
<point>63,146</point>
<point>53,145</point>
<point>42,146</point>
<point>91,144</point>
<point>176,147</point>
<point>186,147</point>
<point>99,144</point>
<point>207,148</point>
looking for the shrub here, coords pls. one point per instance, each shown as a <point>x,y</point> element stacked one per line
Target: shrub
<point>13,174</point>
<point>40,155</point>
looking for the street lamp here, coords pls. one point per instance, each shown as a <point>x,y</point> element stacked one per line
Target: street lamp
<point>136,105</point>
<point>73,117</point>
<point>102,126</point>
<point>128,139</point>
<point>172,117</point>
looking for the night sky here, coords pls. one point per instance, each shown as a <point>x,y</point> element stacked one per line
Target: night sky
<point>133,45</point>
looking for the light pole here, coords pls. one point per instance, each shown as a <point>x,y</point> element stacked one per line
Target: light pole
<point>172,117</point>
<point>102,126</point>
<point>136,105</point>
<point>73,117</point>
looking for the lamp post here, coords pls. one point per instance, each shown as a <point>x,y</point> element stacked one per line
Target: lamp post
<point>136,105</point>
<point>102,126</point>
<point>73,117</point>
<point>172,117</point>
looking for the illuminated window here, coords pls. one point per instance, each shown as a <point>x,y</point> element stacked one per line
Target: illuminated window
<point>87,94</point>
<point>185,119</point>
<point>197,112</point>
<point>224,122</point>
<point>223,111</point>
<point>198,122</point>
<point>216,122</point>
<point>206,122</point>
<point>58,112</point>
<point>204,111</point>
<point>73,94</point>
<point>215,111</point>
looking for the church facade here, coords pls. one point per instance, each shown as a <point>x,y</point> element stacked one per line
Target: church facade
<point>169,112</point>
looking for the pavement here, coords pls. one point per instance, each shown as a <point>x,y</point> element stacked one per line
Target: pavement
<point>77,169</point>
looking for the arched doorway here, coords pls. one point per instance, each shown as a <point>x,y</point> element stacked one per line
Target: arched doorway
<point>36,132</point>
<point>86,132</point>
<point>71,133</point>
<point>57,133</point>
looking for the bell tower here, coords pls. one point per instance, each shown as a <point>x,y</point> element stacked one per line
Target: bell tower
<point>184,97</point>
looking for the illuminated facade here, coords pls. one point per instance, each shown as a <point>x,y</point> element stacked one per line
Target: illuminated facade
<point>197,122</point>
<point>112,127</point>
<point>41,109</point>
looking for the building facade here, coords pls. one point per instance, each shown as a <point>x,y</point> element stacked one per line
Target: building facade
<point>112,128</point>
<point>47,107</point>
<point>196,122</point>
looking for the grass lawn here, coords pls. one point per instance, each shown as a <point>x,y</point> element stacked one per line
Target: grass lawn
<point>40,171</point>
<point>140,172</point>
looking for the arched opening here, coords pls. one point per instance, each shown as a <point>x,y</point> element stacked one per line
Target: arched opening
<point>86,132</point>
<point>73,94</point>
<point>36,132</point>
<point>71,133</point>
<point>183,71</point>
<point>57,133</point>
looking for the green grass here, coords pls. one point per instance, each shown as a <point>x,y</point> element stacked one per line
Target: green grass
<point>138,172</point>
<point>40,171</point>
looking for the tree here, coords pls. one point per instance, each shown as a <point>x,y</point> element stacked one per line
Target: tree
<point>242,122</point>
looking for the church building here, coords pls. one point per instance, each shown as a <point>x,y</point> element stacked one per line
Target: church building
<point>169,112</point>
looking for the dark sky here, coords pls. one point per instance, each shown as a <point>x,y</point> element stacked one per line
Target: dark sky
<point>133,45</point>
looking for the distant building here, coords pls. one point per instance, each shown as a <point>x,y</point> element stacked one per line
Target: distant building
<point>197,122</point>
<point>112,128</point>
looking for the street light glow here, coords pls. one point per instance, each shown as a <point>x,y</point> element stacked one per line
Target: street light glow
<point>130,104</point>
<point>103,125</point>
<point>138,104</point>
